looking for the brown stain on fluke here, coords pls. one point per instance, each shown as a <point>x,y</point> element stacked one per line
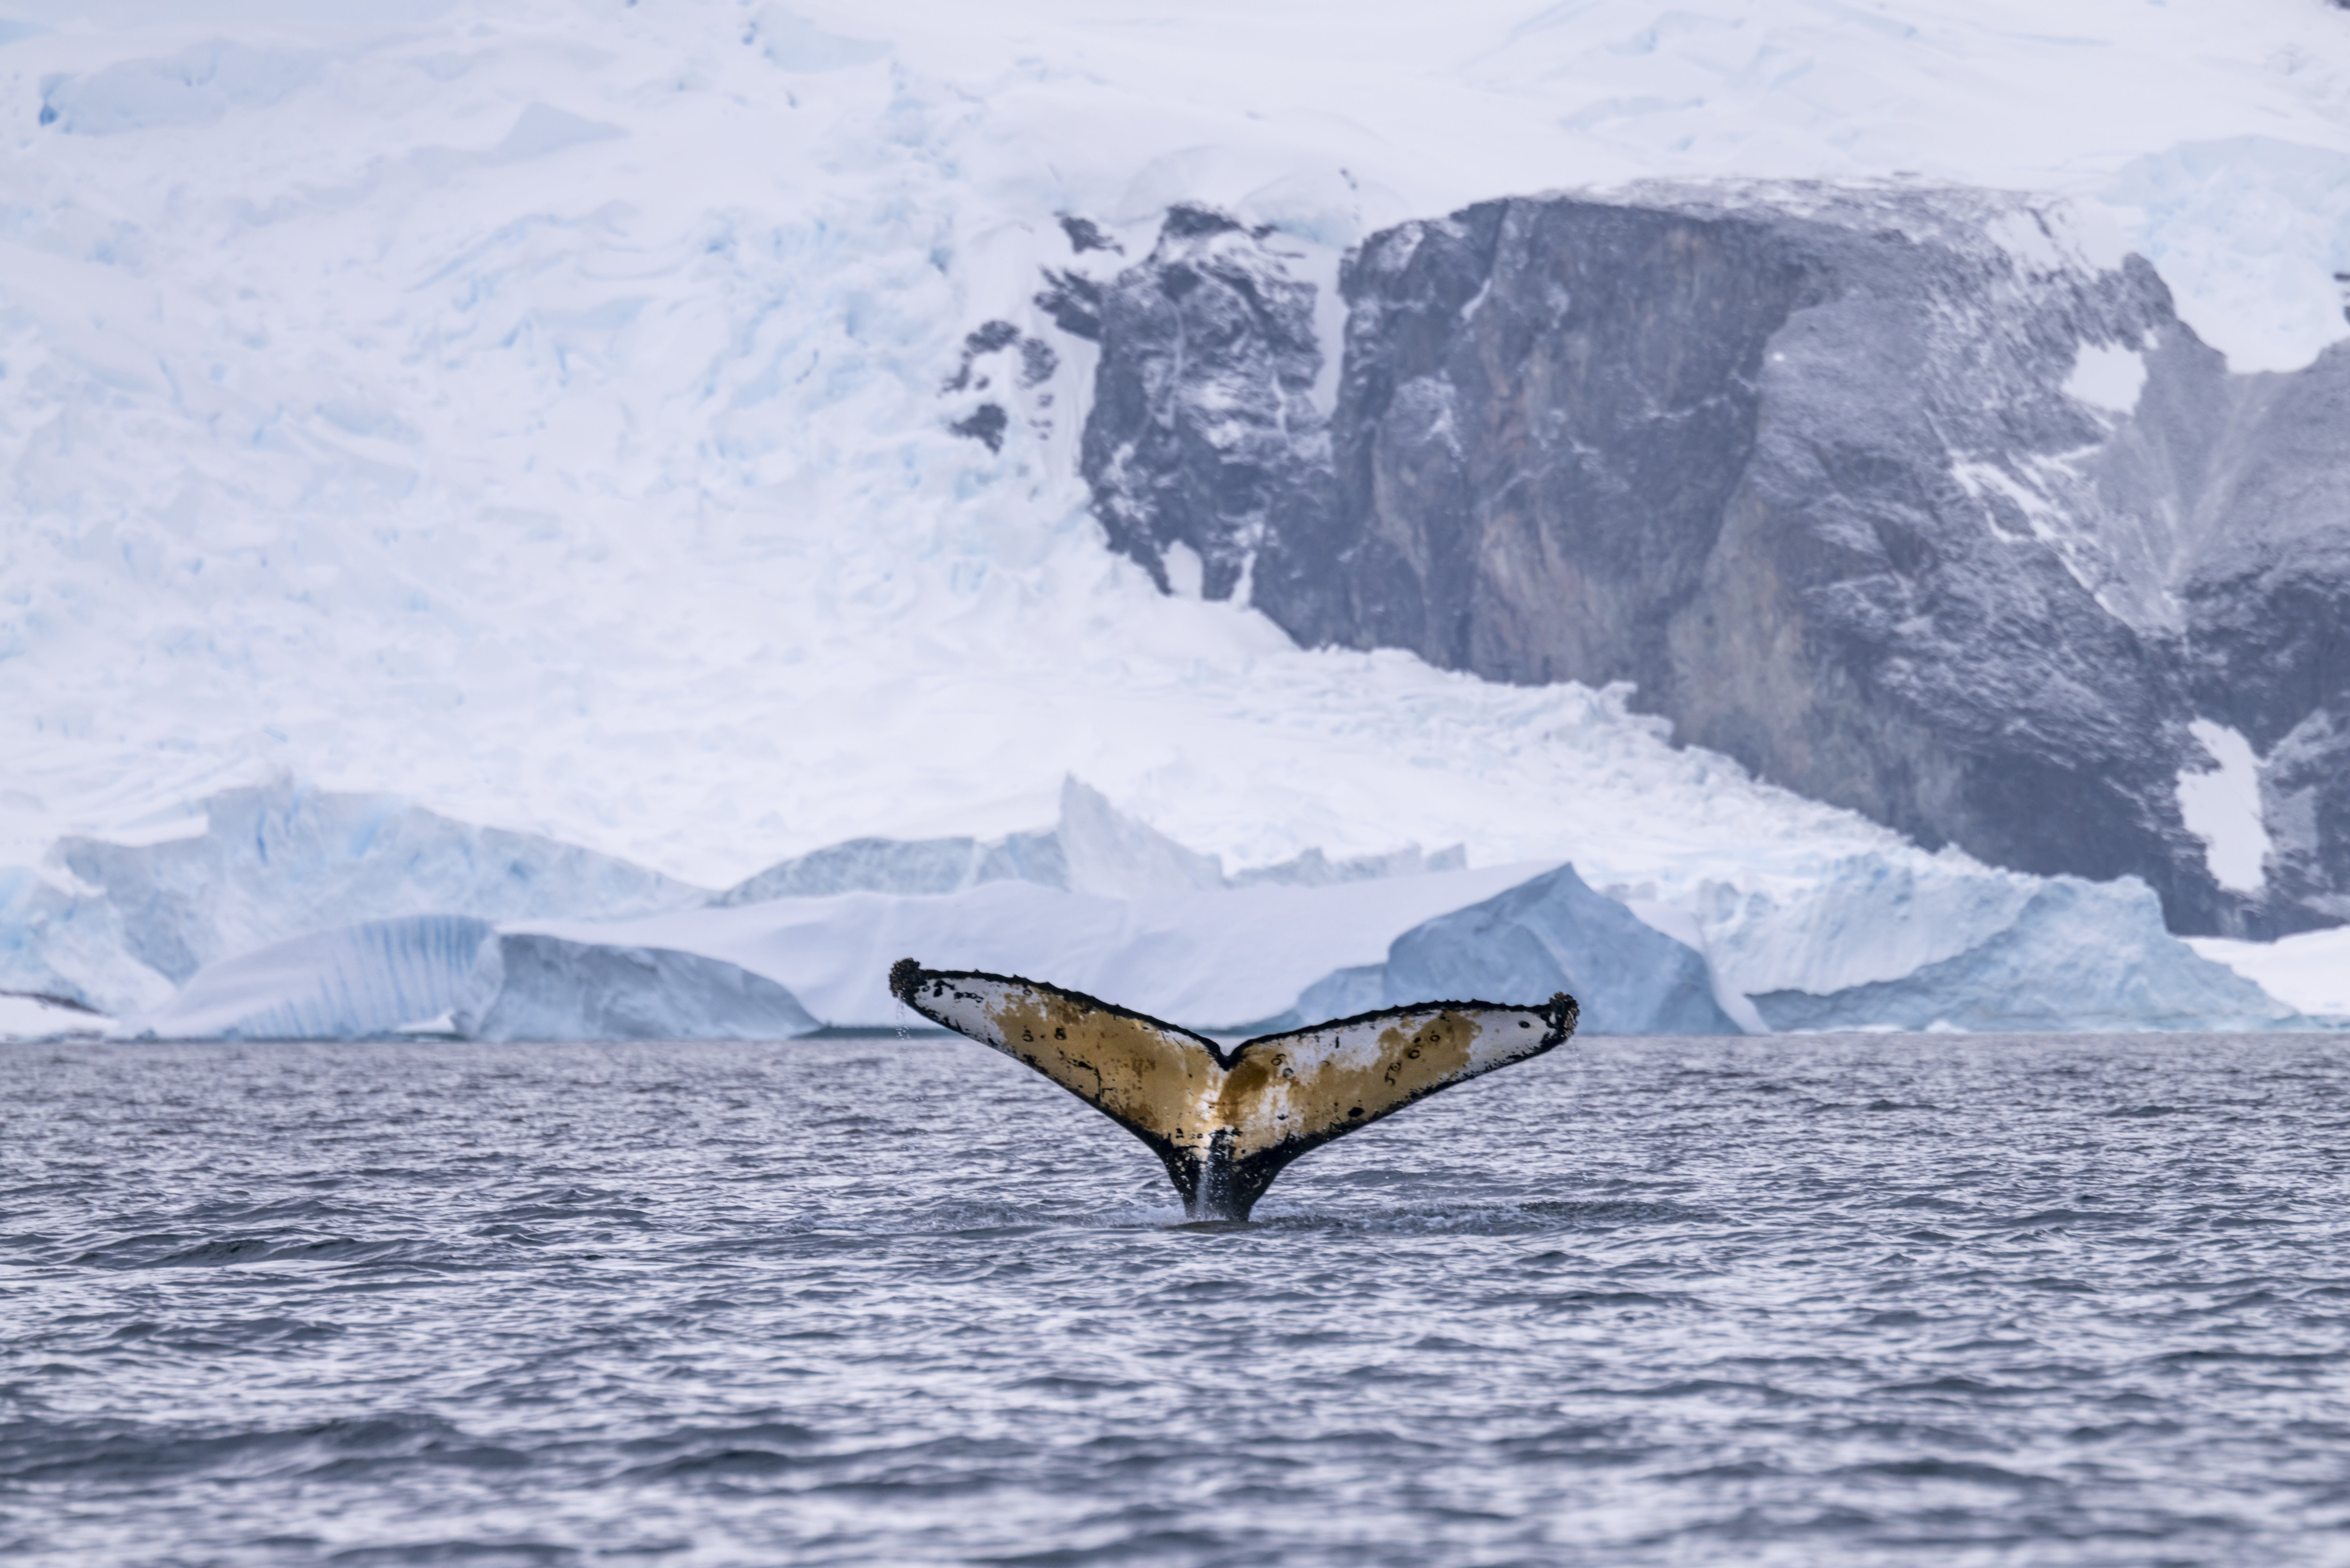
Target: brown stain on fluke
<point>1225,1123</point>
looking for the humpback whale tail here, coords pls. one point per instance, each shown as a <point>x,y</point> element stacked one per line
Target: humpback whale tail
<point>1224,1123</point>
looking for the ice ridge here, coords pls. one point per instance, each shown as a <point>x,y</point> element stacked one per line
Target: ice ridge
<point>1094,847</point>
<point>1551,933</point>
<point>278,861</point>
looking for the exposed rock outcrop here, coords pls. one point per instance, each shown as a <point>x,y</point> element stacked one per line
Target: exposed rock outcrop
<point>1901,497</point>
<point>1203,426</point>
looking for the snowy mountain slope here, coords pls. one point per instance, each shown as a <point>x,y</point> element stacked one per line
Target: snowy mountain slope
<point>539,411</point>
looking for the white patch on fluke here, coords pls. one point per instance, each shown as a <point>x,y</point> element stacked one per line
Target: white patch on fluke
<point>2221,806</point>
<point>2108,378</point>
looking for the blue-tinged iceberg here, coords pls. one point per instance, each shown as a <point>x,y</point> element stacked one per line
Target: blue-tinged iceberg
<point>1210,957</point>
<point>357,983</point>
<point>452,974</point>
<point>118,926</point>
<point>2079,955</point>
<point>61,941</point>
<point>345,918</point>
<point>1094,847</point>
<point>1551,933</point>
<point>540,987</point>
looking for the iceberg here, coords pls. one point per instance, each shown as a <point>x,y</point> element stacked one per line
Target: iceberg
<point>1550,933</point>
<point>777,968</point>
<point>2031,955</point>
<point>452,974</point>
<point>542,987</point>
<point>280,861</point>
<point>1094,847</point>
<point>291,912</point>
<point>65,942</point>
<point>360,981</point>
<point>2078,956</point>
<point>1210,958</point>
<point>1101,901</point>
<point>2310,969</point>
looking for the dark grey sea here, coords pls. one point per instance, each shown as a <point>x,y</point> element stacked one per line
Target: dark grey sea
<point>1914,1299</point>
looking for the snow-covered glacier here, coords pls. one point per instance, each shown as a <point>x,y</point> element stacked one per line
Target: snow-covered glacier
<point>626,445</point>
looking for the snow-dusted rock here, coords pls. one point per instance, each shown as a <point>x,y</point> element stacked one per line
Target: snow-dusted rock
<point>1203,426</point>
<point>1922,501</point>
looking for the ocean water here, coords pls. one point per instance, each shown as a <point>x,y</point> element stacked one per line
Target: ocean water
<point>1914,1299</point>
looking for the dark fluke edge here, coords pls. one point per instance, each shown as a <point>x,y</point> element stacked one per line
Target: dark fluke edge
<point>1225,1123</point>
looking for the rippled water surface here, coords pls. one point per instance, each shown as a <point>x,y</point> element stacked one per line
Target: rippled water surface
<point>1926,1299</point>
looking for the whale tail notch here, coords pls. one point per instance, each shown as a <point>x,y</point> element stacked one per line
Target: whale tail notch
<point>1224,1123</point>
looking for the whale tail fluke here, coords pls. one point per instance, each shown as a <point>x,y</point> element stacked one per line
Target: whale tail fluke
<point>1224,1123</point>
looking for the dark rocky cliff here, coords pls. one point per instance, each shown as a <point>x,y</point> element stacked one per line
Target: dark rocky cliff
<point>1887,493</point>
<point>2267,598</point>
<point>1203,427</point>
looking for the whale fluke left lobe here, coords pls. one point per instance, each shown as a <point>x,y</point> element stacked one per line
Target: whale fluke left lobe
<point>1225,1123</point>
